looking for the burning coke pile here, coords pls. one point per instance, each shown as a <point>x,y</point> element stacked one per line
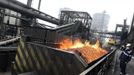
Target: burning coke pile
<point>86,50</point>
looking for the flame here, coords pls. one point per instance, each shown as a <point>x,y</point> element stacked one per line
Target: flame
<point>86,50</point>
<point>68,43</point>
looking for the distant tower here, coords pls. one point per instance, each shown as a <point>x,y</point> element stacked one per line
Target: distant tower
<point>100,21</point>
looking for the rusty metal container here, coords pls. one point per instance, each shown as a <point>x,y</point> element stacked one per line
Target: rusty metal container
<point>46,60</point>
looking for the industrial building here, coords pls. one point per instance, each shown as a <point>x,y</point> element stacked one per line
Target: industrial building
<point>100,21</point>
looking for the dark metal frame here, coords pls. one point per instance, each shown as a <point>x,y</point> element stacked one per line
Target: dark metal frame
<point>23,9</point>
<point>72,16</point>
<point>120,26</point>
<point>77,16</point>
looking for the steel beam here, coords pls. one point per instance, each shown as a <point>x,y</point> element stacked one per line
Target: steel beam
<point>8,49</point>
<point>29,3</point>
<point>9,41</point>
<point>39,4</point>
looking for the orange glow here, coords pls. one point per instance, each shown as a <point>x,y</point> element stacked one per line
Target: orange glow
<point>86,50</point>
<point>68,43</point>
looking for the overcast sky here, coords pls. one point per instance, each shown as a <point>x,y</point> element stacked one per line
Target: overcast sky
<point>117,9</point>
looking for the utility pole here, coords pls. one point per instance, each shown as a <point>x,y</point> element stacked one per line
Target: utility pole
<point>29,3</point>
<point>39,4</point>
<point>125,25</point>
<point>132,24</point>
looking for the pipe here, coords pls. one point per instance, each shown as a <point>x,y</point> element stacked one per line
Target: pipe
<point>39,4</point>
<point>132,23</point>
<point>9,41</point>
<point>29,3</point>
<point>8,49</point>
<point>28,12</point>
<point>19,3</point>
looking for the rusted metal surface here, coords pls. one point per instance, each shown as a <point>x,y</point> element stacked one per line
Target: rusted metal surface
<point>101,66</point>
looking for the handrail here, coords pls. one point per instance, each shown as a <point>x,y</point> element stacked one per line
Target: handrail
<point>9,41</point>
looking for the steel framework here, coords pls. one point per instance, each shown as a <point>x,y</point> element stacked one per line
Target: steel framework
<point>72,16</point>
<point>23,9</point>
